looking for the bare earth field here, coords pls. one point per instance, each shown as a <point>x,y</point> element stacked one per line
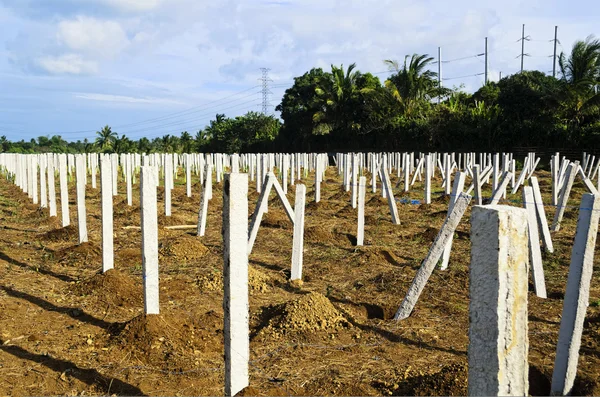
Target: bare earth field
<point>67,329</point>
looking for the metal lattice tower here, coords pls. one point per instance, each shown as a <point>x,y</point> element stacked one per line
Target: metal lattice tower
<point>265,89</point>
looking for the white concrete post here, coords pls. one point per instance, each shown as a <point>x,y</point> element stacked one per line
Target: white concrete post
<point>563,197</point>
<point>115,168</point>
<point>148,182</point>
<point>107,213</point>
<point>34,174</point>
<point>477,184</point>
<point>501,189</point>
<point>168,175</point>
<point>298,239</point>
<point>64,190</point>
<point>354,179</point>
<point>428,175</point>
<point>128,177</point>
<point>235,279</point>
<point>318,183</point>
<point>498,343</point>
<point>51,188</point>
<point>434,254</point>
<point>387,187</point>
<point>448,175</point>
<point>535,253</point>
<point>541,215</point>
<point>577,296</point>
<point>43,184</point>
<point>80,184</point>
<point>93,166</point>
<point>360,233</point>
<point>188,175</point>
<point>457,188</point>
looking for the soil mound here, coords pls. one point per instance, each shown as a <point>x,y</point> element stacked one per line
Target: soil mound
<point>341,195</point>
<point>172,220</point>
<point>257,281</point>
<point>317,234</point>
<point>276,219</point>
<point>83,252</point>
<point>172,342</point>
<point>304,316</point>
<point>112,287</point>
<point>347,212</point>
<point>378,200</point>
<point>183,247</point>
<point>62,234</point>
<point>450,381</point>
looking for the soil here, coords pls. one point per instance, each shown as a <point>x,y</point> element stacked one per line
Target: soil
<point>68,329</point>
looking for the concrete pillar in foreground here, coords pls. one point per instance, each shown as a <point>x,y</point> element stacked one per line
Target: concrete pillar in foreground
<point>298,239</point>
<point>535,252</point>
<point>433,256</point>
<point>360,232</point>
<point>576,297</point>
<point>148,182</point>
<point>498,343</point>
<point>235,279</point>
<point>107,213</point>
<point>80,184</point>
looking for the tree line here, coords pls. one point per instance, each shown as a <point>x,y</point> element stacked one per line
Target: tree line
<point>345,109</point>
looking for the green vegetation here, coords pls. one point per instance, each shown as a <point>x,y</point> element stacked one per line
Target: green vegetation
<point>345,109</point>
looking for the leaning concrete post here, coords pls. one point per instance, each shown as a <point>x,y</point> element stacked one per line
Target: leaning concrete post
<point>577,296</point>
<point>535,253</point>
<point>235,277</point>
<point>424,272</point>
<point>148,182</point>
<point>387,188</point>
<point>457,188</point>
<point>80,176</point>
<point>498,343</point>
<point>541,215</point>
<point>563,197</point>
<point>298,239</point>
<point>360,232</point>
<point>107,213</point>
<point>64,190</point>
<point>51,188</point>
<point>500,191</point>
<point>203,211</point>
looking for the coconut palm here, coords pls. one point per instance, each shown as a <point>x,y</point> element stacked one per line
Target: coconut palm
<point>106,138</point>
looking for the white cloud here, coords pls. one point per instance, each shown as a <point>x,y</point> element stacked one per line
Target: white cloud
<point>126,99</point>
<point>133,5</point>
<point>90,35</point>
<point>67,64</point>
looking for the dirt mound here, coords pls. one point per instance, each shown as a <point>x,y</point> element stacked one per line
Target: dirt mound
<point>112,287</point>
<point>173,220</point>
<point>378,200</point>
<point>316,234</point>
<point>62,234</point>
<point>347,212</point>
<point>183,247</point>
<point>83,252</point>
<point>430,234</point>
<point>257,281</point>
<point>341,195</point>
<point>451,380</point>
<point>276,219</point>
<point>172,342</point>
<point>304,316</point>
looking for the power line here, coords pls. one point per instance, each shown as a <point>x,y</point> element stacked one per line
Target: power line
<point>265,89</point>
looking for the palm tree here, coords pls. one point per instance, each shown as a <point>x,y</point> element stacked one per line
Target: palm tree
<point>186,142</point>
<point>106,138</point>
<point>413,84</point>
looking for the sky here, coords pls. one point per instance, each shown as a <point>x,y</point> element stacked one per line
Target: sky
<point>155,67</point>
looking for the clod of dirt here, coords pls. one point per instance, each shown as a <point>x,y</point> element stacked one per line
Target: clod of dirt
<point>451,380</point>
<point>170,342</point>
<point>112,287</point>
<point>82,252</point>
<point>62,234</point>
<point>257,281</point>
<point>317,234</point>
<point>430,234</point>
<point>308,314</point>
<point>183,247</point>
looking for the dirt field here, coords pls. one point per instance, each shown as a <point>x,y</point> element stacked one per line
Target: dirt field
<point>67,329</point>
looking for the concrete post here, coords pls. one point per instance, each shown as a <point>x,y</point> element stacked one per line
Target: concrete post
<point>43,184</point>
<point>354,180</point>
<point>34,174</point>
<point>457,188</point>
<point>577,296</point>
<point>535,253</point>
<point>500,191</point>
<point>115,168</point>
<point>128,178</point>
<point>168,176</point>
<point>498,344</point>
<point>148,182</point>
<point>360,233</point>
<point>51,188</point>
<point>298,239</point>
<point>387,187</point>
<point>541,215</point>
<point>563,197</point>
<point>80,176</point>
<point>188,175</point>
<point>64,189</point>
<point>318,183</point>
<point>424,272</point>
<point>107,213</point>
<point>203,211</point>
<point>235,274</point>
<point>428,175</point>
<point>477,185</point>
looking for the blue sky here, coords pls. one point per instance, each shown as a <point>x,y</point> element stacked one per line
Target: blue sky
<point>152,67</point>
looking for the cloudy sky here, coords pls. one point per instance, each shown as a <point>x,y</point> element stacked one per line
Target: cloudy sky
<point>152,67</point>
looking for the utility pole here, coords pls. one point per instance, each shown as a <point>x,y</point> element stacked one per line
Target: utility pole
<point>500,78</point>
<point>486,61</point>
<point>439,73</point>
<point>554,57</point>
<point>522,47</point>
<point>265,89</point>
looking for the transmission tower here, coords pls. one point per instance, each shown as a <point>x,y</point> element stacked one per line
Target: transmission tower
<point>265,89</point>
